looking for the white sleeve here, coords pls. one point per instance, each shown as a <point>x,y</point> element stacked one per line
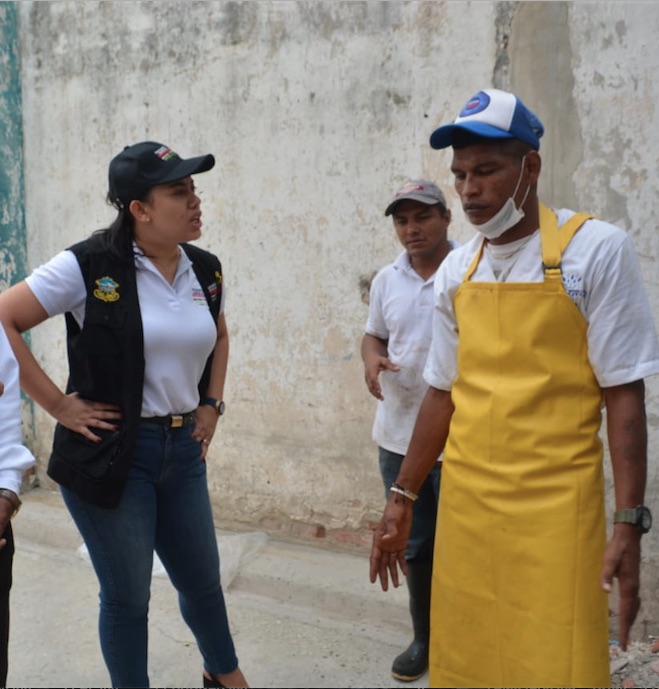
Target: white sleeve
<point>15,458</point>
<point>58,285</point>
<point>622,338</point>
<point>375,325</point>
<point>442,362</point>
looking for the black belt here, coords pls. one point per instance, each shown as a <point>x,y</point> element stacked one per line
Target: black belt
<point>171,420</point>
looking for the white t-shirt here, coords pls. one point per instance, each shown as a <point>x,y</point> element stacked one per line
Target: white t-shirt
<point>400,311</point>
<point>179,333</point>
<point>15,458</point>
<point>602,276</point>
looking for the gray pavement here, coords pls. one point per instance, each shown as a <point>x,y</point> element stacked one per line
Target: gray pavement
<point>301,616</point>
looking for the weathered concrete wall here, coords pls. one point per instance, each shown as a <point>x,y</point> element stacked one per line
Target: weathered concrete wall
<point>316,111</point>
<point>13,244</point>
<point>592,69</point>
<point>12,220</point>
<point>13,255</point>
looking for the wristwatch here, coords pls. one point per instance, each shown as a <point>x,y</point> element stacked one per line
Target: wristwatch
<point>13,499</point>
<point>639,516</point>
<point>218,405</point>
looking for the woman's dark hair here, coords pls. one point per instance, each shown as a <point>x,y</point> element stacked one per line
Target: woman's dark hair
<point>120,233</point>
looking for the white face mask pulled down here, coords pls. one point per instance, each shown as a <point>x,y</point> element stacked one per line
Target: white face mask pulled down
<point>507,216</point>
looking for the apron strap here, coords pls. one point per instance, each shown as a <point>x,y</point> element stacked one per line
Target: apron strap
<point>475,262</point>
<point>555,240</point>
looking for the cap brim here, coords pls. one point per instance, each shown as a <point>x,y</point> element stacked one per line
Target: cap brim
<point>412,197</point>
<point>443,137</point>
<point>190,166</point>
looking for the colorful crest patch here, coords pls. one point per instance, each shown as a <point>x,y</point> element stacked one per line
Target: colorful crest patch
<point>165,153</point>
<point>107,289</point>
<point>214,286</point>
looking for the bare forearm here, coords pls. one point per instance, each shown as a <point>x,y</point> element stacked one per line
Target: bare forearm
<point>372,347</point>
<point>627,434</point>
<point>34,381</point>
<point>220,362</point>
<point>428,438</point>
<point>20,311</point>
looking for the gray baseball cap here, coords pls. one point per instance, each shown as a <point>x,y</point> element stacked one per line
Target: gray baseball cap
<point>422,190</point>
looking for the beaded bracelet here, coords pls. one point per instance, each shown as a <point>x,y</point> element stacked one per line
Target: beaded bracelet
<point>395,488</point>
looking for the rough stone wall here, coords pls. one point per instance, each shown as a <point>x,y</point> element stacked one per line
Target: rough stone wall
<point>316,112</point>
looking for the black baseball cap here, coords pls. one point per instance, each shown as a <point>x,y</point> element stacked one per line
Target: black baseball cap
<point>142,166</point>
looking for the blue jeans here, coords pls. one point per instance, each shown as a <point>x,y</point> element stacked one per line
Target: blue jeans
<point>165,507</point>
<point>421,541</point>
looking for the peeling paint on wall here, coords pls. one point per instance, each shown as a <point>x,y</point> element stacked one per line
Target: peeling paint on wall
<point>13,249</point>
<point>12,218</point>
<point>505,12</point>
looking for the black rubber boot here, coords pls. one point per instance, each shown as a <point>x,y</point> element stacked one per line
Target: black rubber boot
<point>413,663</point>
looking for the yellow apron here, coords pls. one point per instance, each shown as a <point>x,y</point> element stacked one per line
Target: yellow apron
<point>521,530</point>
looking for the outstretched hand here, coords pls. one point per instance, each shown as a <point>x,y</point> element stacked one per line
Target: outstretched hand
<point>390,542</point>
<point>372,372</point>
<point>622,559</point>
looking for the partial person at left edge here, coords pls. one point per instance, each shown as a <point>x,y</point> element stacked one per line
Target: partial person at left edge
<point>148,350</point>
<point>15,460</point>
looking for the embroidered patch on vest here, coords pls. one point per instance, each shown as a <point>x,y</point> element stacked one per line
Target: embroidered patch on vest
<point>107,289</point>
<point>214,286</point>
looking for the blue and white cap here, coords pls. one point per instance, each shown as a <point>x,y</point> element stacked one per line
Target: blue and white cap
<point>493,114</point>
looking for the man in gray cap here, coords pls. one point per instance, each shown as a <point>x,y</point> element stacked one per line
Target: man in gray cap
<point>539,321</point>
<point>394,350</point>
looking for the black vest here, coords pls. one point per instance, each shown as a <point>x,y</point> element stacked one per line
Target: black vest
<point>106,364</point>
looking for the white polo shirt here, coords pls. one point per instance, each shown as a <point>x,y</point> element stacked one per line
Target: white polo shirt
<point>179,332</point>
<point>400,311</point>
<point>602,276</point>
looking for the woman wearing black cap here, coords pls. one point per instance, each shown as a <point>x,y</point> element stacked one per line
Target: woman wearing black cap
<point>148,349</point>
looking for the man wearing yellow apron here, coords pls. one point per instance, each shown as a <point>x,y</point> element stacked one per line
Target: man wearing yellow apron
<point>540,320</point>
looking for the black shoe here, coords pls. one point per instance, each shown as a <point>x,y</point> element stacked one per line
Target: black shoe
<point>412,663</point>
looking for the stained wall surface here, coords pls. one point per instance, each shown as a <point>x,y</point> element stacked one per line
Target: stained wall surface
<point>317,112</point>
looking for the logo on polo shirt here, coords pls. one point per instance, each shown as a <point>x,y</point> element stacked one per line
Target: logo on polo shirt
<point>198,296</point>
<point>574,287</point>
<point>107,289</point>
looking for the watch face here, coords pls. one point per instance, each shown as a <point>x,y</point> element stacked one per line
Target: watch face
<point>645,519</point>
<point>220,408</point>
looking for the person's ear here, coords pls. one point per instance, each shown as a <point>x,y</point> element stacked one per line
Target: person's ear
<point>533,166</point>
<point>138,211</point>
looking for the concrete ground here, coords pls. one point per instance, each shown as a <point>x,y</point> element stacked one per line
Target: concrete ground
<point>301,616</point>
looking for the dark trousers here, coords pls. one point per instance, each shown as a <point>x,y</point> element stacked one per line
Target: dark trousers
<point>6,561</point>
